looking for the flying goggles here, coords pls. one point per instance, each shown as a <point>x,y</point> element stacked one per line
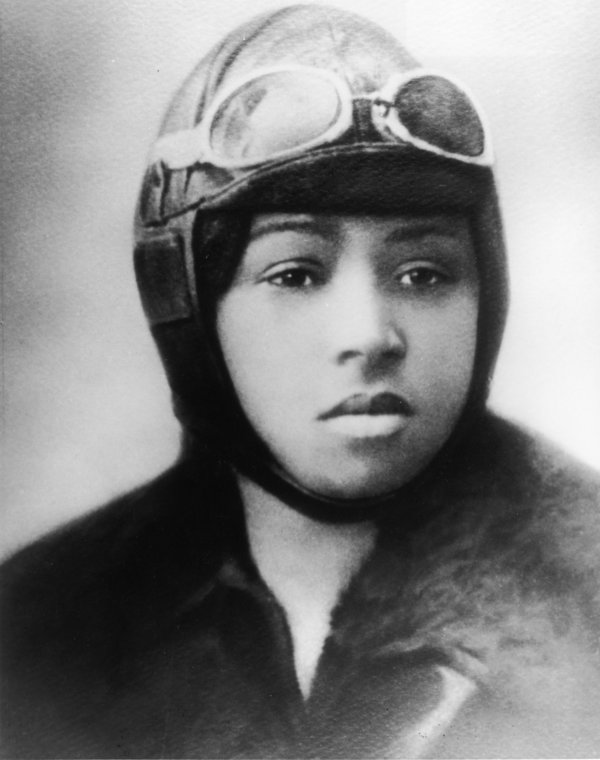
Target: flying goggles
<point>277,113</point>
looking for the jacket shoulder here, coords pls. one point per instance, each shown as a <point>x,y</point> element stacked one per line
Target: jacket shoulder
<point>546,502</point>
<point>524,455</point>
<point>125,565</point>
<point>537,471</point>
<point>86,612</point>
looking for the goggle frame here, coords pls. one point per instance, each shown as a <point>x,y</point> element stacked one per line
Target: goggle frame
<point>187,148</point>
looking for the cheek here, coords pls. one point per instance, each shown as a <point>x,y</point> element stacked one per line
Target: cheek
<point>237,324</point>
<point>444,344</point>
<point>266,355</point>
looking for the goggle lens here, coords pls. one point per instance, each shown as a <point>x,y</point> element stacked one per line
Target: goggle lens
<point>272,115</point>
<point>436,111</point>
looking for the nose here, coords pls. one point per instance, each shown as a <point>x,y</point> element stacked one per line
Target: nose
<point>364,325</point>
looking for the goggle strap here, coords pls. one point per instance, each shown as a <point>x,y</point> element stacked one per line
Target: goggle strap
<point>178,150</point>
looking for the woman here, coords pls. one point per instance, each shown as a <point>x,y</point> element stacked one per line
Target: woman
<point>352,556</point>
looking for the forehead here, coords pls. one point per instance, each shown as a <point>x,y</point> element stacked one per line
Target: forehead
<point>388,228</point>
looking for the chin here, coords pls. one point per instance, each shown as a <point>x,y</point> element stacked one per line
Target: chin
<point>357,485</point>
<point>362,477</point>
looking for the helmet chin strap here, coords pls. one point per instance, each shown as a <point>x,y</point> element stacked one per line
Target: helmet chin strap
<point>405,502</point>
<point>328,509</point>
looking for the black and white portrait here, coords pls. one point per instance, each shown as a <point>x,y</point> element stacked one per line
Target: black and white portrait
<point>301,422</point>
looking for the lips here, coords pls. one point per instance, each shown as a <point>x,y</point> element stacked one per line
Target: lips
<point>363,403</point>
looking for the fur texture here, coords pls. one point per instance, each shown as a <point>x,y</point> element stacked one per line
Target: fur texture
<point>503,583</point>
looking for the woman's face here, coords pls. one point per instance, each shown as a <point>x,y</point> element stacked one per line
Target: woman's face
<point>350,341</point>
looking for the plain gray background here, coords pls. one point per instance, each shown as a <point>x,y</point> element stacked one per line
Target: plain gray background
<point>85,408</point>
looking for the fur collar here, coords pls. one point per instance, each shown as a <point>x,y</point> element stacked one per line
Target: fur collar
<point>502,583</point>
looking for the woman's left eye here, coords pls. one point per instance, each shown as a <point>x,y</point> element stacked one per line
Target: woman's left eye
<point>422,277</point>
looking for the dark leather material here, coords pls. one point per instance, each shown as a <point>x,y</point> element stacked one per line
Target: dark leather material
<point>162,278</point>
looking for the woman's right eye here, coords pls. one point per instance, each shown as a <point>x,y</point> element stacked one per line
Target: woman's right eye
<point>293,278</point>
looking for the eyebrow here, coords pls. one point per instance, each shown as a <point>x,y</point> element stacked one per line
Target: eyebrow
<point>326,226</point>
<point>419,227</point>
<point>321,226</point>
